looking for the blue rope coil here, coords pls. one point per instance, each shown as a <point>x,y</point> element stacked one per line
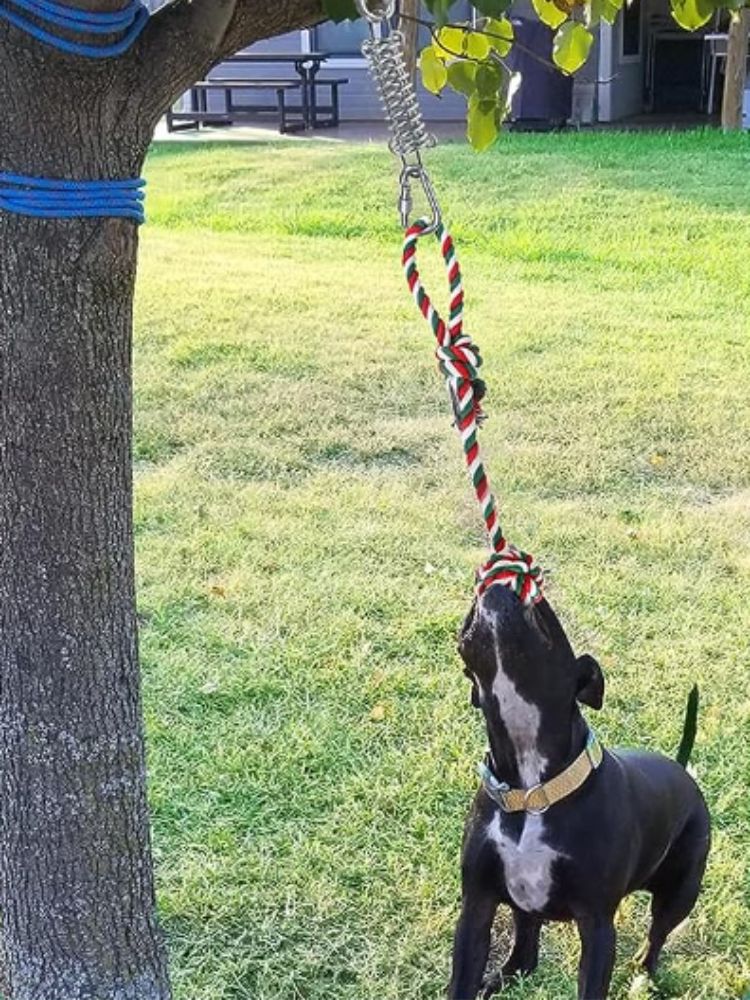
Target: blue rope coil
<point>128,22</point>
<point>44,198</point>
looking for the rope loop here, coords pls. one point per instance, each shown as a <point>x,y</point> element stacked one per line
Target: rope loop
<point>459,361</point>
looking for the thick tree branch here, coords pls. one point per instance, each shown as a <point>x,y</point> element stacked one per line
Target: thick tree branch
<point>186,37</point>
<point>254,20</point>
<point>178,46</point>
<point>409,28</point>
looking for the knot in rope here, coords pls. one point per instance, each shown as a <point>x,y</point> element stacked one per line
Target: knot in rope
<point>459,362</point>
<point>514,569</point>
<point>460,359</point>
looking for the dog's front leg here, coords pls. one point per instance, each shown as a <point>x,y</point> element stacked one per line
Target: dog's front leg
<point>471,945</point>
<point>597,957</point>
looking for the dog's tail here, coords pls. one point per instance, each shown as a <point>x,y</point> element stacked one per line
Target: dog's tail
<point>689,728</point>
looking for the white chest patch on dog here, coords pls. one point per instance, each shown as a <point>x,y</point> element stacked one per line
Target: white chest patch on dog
<point>527,864</point>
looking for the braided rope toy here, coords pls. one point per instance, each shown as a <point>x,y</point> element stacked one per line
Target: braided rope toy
<point>459,362</point>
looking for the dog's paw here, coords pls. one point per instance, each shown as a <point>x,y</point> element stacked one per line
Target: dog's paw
<point>493,985</point>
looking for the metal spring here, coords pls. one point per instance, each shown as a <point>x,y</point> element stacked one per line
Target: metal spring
<point>397,94</point>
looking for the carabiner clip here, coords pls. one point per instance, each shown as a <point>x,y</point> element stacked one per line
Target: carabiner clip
<point>415,171</point>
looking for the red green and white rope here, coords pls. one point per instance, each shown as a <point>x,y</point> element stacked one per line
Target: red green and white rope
<point>459,361</point>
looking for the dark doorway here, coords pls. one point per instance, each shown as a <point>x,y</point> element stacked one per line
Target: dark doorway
<point>677,77</point>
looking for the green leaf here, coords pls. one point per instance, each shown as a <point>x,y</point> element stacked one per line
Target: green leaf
<point>477,46</point>
<point>500,35</point>
<point>571,45</point>
<point>434,73</point>
<point>692,14</point>
<point>610,10</point>
<point>489,80</point>
<point>602,10</point>
<point>481,123</point>
<point>592,13</point>
<point>493,8</point>
<point>340,10</point>
<point>461,76</point>
<point>548,13</point>
<point>439,9</point>
<point>452,41</point>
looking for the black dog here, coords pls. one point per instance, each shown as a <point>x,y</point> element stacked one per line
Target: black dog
<point>567,848</point>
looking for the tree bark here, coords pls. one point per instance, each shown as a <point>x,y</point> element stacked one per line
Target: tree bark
<point>76,883</point>
<point>410,30</point>
<point>735,73</point>
<point>76,887</point>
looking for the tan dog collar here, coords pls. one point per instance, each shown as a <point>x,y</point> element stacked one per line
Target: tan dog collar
<point>537,799</point>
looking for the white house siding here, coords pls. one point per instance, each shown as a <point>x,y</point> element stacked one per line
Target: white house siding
<point>621,76</point>
<point>610,85</point>
<point>608,88</point>
<point>359,98</point>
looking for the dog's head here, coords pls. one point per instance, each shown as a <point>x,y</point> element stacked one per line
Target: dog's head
<point>523,671</point>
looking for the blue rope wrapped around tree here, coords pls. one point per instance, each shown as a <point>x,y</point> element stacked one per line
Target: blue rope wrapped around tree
<point>63,199</point>
<point>51,18</point>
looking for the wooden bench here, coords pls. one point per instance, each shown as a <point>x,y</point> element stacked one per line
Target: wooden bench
<point>332,110</point>
<point>200,112</point>
<point>290,118</point>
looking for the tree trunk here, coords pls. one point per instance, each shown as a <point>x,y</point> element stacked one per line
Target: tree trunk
<point>76,887</point>
<point>736,71</point>
<point>410,30</point>
<point>76,883</point>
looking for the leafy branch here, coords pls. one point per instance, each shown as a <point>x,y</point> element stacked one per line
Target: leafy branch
<point>470,57</point>
<point>507,37</point>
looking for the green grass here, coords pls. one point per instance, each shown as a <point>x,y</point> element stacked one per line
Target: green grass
<point>306,535</point>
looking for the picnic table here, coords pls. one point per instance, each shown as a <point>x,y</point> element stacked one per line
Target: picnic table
<point>310,113</point>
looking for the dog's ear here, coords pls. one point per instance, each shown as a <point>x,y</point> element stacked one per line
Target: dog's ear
<point>590,689</point>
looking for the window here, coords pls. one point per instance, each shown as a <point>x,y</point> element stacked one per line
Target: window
<point>631,29</point>
<point>343,39</point>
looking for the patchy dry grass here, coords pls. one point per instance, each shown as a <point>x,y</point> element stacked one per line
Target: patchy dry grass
<point>306,536</point>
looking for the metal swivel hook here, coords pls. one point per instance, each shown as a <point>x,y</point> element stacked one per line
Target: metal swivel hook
<point>384,51</point>
<point>416,171</point>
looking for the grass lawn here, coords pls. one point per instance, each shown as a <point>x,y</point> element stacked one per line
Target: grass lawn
<point>307,537</point>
